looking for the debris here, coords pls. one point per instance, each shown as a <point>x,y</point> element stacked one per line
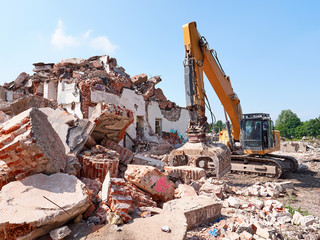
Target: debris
<point>25,212</point>
<point>166,229</point>
<point>60,233</point>
<point>197,210</point>
<point>151,180</point>
<point>29,145</point>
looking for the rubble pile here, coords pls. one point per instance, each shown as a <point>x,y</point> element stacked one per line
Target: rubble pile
<point>308,147</point>
<point>256,215</point>
<point>58,166</point>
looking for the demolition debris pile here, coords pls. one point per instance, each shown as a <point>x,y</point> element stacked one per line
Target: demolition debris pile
<point>58,168</point>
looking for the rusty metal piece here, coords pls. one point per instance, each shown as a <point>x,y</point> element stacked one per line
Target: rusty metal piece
<point>55,204</point>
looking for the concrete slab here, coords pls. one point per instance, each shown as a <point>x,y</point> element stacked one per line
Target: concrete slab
<point>38,204</point>
<point>197,210</point>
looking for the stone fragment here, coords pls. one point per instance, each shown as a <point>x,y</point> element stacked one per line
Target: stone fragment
<point>296,218</point>
<point>233,202</point>
<point>283,186</point>
<point>256,202</point>
<point>246,236</point>
<point>184,191</point>
<point>142,160</point>
<point>308,220</point>
<point>138,79</point>
<point>60,233</point>
<point>233,236</point>
<point>209,188</point>
<point>28,145</point>
<point>72,131</point>
<point>21,78</point>
<point>151,180</point>
<point>197,210</point>
<point>39,203</point>
<point>265,232</point>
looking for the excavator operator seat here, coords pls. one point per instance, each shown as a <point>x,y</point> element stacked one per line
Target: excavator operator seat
<point>257,132</point>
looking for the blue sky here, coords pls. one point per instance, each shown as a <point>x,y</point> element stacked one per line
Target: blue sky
<point>270,49</point>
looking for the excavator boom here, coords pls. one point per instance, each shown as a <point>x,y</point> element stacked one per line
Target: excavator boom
<point>205,60</point>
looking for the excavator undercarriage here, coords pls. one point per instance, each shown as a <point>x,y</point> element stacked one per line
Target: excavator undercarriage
<point>269,165</point>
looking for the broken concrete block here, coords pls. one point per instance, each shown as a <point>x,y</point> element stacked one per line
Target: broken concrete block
<point>25,103</point>
<point>306,221</point>
<point>111,122</point>
<point>38,204</point>
<point>185,173</point>
<point>60,233</point>
<point>21,78</point>
<point>246,236</point>
<point>209,188</point>
<point>296,218</point>
<point>184,191</point>
<point>256,202</point>
<point>265,232</point>
<point>151,180</point>
<point>138,79</point>
<point>72,131</point>
<point>197,210</point>
<point>142,160</point>
<point>30,145</point>
<point>283,186</point>
<point>233,202</point>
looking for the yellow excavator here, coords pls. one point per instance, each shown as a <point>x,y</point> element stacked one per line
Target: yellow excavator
<point>251,138</point>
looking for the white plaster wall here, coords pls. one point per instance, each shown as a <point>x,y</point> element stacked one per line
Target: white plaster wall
<point>65,93</point>
<point>168,126</point>
<point>50,90</point>
<point>66,97</point>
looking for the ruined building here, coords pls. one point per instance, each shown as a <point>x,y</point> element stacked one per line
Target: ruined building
<point>78,85</point>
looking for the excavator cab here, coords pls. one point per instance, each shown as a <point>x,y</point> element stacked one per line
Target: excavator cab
<point>257,133</point>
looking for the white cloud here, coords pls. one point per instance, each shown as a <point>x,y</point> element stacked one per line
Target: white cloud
<point>60,40</point>
<point>102,43</point>
<point>86,34</point>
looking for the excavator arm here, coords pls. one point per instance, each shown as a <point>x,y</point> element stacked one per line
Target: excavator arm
<point>198,59</point>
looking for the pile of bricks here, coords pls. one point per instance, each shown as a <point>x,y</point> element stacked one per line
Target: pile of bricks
<point>98,161</point>
<point>118,200</point>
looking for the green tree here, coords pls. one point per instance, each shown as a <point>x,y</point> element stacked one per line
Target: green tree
<point>300,131</point>
<point>287,122</point>
<point>312,127</point>
<point>284,116</point>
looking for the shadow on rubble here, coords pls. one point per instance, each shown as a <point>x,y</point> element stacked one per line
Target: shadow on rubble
<point>306,179</point>
<point>38,182</point>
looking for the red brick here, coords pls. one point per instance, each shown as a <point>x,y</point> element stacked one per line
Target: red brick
<point>12,128</point>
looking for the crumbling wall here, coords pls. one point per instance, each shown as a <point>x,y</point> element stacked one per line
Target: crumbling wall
<point>178,126</point>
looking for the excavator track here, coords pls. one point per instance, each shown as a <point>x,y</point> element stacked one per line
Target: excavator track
<point>268,165</point>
